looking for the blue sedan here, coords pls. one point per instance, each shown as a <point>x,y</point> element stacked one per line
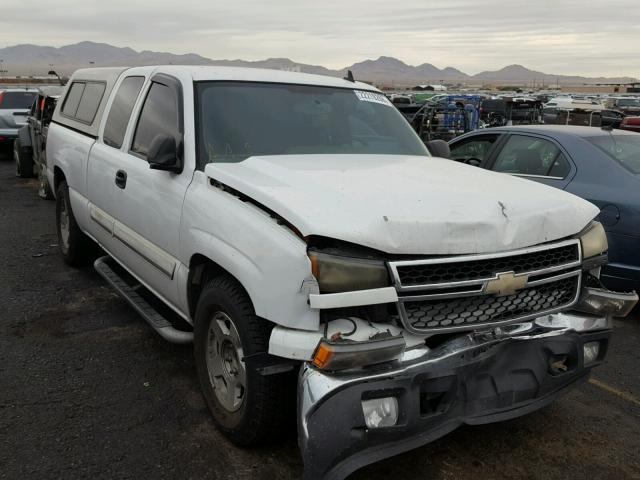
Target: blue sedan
<point>599,165</point>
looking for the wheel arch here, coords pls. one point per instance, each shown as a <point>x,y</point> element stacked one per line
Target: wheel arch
<point>201,269</point>
<point>58,176</point>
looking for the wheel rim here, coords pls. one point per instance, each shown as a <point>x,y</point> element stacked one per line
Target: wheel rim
<point>64,224</point>
<point>225,365</point>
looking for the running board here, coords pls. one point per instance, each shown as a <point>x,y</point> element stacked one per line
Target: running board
<point>157,321</point>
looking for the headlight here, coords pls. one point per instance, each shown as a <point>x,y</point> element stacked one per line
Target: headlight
<point>593,240</point>
<point>343,274</point>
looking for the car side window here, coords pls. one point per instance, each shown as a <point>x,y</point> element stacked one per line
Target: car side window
<point>72,100</point>
<point>82,101</point>
<point>120,111</point>
<point>477,146</point>
<point>525,155</point>
<point>159,115</point>
<point>90,101</point>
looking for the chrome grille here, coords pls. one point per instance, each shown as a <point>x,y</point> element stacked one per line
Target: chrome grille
<point>441,295</point>
<point>458,271</point>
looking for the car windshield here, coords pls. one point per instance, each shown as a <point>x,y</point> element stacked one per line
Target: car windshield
<point>625,149</point>
<point>237,120</point>
<point>16,100</point>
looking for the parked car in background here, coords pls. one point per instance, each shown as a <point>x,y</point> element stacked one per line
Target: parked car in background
<point>627,105</point>
<point>631,124</point>
<point>29,149</point>
<point>14,109</point>
<point>600,165</point>
<point>583,118</point>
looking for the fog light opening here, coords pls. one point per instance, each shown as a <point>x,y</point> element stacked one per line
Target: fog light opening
<point>380,412</point>
<point>591,352</point>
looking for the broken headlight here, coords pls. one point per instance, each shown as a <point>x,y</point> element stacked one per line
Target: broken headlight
<point>335,273</point>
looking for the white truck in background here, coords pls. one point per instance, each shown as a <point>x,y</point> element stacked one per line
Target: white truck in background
<point>303,233</point>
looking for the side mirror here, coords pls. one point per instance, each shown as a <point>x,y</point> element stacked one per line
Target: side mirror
<point>163,154</point>
<point>439,148</point>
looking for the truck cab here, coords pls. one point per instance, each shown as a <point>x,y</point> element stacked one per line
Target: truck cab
<point>305,236</point>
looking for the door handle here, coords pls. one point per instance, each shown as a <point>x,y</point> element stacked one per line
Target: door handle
<point>121,178</point>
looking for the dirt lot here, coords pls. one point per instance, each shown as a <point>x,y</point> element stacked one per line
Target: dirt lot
<point>87,390</point>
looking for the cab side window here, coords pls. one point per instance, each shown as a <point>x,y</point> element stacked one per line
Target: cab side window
<point>524,155</point>
<point>120,111</point>
<point>160,115</point>
<point>72,100</point>
<point>477,147</point>
<point>82,101</point>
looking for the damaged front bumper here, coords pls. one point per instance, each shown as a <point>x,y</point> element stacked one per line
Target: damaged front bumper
<point>473,378</point>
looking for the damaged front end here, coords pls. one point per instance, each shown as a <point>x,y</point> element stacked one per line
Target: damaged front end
<point>349,419</point>
<point>424,345</point>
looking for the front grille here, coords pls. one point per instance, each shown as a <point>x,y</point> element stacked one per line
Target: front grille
<point>454,270</point>
<point>479,310</point>
<point>440,295</point>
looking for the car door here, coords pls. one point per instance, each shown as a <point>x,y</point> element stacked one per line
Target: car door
<point>32,122</point>
<point>534,157</point>
<point>148,202</point>
<point>475,149</point>
<point>106,158</point>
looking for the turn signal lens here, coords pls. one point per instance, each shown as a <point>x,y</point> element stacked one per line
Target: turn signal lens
<point>334,356</point>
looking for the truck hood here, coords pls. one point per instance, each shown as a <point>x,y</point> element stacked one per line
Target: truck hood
<point>407,204</point>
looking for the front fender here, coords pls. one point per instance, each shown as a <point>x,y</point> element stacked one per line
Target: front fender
<point>268,259</point>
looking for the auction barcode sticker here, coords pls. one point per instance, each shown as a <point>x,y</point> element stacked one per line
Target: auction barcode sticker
<point>373,97</point>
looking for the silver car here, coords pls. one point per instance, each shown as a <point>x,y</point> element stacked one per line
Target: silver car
<point>15,104</point>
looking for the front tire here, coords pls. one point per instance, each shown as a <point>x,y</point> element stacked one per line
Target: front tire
<point>247,407</point>
<point>23,158</point>
<point>76,248</point>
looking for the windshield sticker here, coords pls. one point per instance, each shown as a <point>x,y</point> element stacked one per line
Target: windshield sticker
<point>372,97</point>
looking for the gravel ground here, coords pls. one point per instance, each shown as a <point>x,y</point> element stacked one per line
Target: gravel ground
<point>88,390</point>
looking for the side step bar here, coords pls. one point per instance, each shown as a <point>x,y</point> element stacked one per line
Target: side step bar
<point>159,323</point>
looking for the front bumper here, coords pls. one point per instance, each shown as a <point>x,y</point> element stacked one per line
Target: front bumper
<point>473,378</point>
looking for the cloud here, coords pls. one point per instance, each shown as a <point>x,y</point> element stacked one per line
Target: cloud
<point>558,36</point>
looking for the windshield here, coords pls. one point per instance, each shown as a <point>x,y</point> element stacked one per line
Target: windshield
<point>237,120</point>
<point>625,149</point>
<point>17,100</point>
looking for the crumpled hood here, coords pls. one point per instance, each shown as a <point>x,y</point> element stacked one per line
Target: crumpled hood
<point>406,204</point>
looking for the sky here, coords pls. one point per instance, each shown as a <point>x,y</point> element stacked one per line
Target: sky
<point>586,37</point>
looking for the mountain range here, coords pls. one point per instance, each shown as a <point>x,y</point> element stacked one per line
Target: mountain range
<point>36,60</point>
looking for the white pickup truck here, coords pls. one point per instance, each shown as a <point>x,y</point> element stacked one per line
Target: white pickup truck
<point>300,230</point>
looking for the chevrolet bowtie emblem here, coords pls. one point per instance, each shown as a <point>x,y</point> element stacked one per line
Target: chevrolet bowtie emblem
<point>505,284</point>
